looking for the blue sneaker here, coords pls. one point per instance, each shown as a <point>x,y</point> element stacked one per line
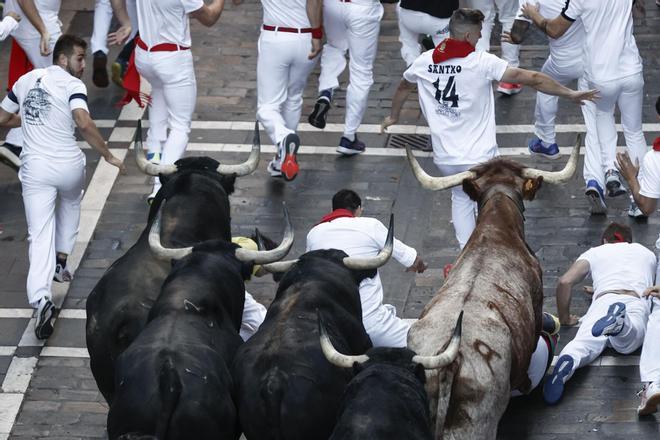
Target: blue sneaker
<point>596,197</point>
<point>348,148</point>
<point>553,387</point>
<point>536,148</point>
<point>153,158</point>
<point>612,323</point>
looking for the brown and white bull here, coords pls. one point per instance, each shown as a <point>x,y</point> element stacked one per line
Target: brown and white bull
<point>496,281</point>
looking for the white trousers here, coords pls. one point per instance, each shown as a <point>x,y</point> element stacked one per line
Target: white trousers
<point>103,20</point>
<point>173,96</point>
<point>506,10</point>
<point>463,208</point>
<point>649,363</point>
<point>414,23</point>
<point>31,48</point>
<point>386,329</point>
<point>354,27</point>
<point>585,347</point>
<point>562,71</point>
<point>282,71</point>
<point>538,365</point>
<point>253,315</point>
<point>51,197</point>
<point>628,94</point>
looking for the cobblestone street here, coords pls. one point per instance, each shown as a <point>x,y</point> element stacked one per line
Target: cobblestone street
<point>48,390</point>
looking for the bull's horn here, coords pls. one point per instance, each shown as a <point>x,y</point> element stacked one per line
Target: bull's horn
<point>252,162</point>
<point>143,164</point>
<point>157,248</point>
<point>279,266</point>
<point>263,257</point>
<point>331,354</point>
<point>7,154</point>
<point>362,263</point>
<point>446,357</point>
<point>436,183</point>
<point>557,177</point>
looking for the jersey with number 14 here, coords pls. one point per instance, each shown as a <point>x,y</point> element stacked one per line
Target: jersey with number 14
<point>456,97</point>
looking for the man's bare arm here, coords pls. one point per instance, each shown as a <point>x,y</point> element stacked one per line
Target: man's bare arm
<point>553,28</point>
<point>573,275</point>
<point>315,16</point>
<point>209,14</point>
<point>543,83</point>
<point>125,28</point>
<point>629,172</point>
<point>400,96</point>
<point>32,14</point>
<point>91,134</point>
<point>9,120</point>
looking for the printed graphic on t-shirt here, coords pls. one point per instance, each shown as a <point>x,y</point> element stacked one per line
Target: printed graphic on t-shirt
<point>36,105</point>
<point>447,99</point>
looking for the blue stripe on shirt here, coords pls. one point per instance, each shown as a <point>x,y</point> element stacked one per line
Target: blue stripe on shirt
<point>12,96</point>
<point>78,96</point>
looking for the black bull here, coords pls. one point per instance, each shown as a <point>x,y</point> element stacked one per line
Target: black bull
<point>286,389</point>
<point>194,201</point>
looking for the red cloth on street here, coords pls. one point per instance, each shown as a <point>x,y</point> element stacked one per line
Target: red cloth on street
<point>656,144</point>
<point>450,48</point>
<point>132,85</point>
<point>337,213</point>
<point>19,64</point>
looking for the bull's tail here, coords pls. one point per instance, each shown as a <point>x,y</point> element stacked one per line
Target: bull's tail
<point>445,383</point>
<point>272,392</point>
<point>169,385</point>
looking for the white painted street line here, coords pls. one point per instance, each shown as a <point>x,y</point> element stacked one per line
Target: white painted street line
<point>7,351</point>
<point>10,403</point>
<point>65,352</point>
<point>105,123</point>
<point>27,313</point>
<point>29,339</point>
<point>19,374</point>
<point>72,314</point>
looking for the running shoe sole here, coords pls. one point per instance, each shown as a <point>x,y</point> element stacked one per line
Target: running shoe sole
<point>117,71</point>
<point>651,405</point>
<point>615,189</point>
<point>44,327</point>
<point>598,207</point>
<point>348,151</point>
<point>547,156</point>
<point>606,325</point>
<point>289,167</point>
<point>318,116</point>
<point>553,388</point>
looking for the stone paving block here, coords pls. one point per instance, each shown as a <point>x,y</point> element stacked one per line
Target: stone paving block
<point>11,330</point>
<point>68,333</point>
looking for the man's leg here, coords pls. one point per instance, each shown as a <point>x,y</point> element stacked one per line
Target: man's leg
<point>408,35</point>
<point>99,42</point>
<point>363,33</point>
<point>333,60</point>
<point>594,177</point>
<point>633,319</point>
<point>385,329</point>
<point>649,363</point>
<point>607,134</point>
<point>507,10</point>
<point>67,213</point>
<point>463,209</point>
<point>581,351</point>
<point>253,315</point>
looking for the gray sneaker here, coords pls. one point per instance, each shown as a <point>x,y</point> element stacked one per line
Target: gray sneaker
<point>613,184</point>
<point>635,212</point>
<point>43,327</point>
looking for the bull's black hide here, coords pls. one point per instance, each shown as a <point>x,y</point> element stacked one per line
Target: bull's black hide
<point>173,381</point>
<point>195,208</point>
<point>286,389</point>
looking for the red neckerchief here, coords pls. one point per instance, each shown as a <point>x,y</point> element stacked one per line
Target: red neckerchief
<point>619,238</point>
<point>656,144</point>
<point>450,48</point>
<point>337,213</point>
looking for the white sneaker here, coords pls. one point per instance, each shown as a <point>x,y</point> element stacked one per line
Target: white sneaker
<point>62,274</point>
<point>274,168</point>
<point>650,399</point>
<point>43,326</point>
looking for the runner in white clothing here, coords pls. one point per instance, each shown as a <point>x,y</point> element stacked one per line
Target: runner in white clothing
<point>50,101</point>
<point>164,58</point>
<point>36,35</point>
<point>346,230</point>
<point>353,26</point>
<point>456,97</point>
<point>290,41</point>
<point>621,271</point>
<point>613,66</point>
<point>644,184</point>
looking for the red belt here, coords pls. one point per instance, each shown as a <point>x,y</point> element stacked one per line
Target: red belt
<point>267,27</point>
<point>162,47</point>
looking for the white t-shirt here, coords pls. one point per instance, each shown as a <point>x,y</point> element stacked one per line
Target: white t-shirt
<point>457,100</point>
<point>649,175</point>
<point>286,13</point>
<point>360,237</point>
<point>568,48</point>
<point>620,266</point>
<point>611,51</point>
<point>46,99</point>
<point>7,25</point>
<point>48,11</point>
<point>166,21</point>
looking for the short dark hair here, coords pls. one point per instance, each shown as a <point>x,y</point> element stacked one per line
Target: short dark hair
<point>66,44</point>
<point>463,19</point>
<point>346,199</point>
<point>657,106</point>
<point>616,232</point>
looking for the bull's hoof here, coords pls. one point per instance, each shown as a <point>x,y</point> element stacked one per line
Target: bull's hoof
<point>553,388</point>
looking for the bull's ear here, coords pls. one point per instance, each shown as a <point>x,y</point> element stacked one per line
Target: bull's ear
<point>472,189</point>
<point>530,187</point>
